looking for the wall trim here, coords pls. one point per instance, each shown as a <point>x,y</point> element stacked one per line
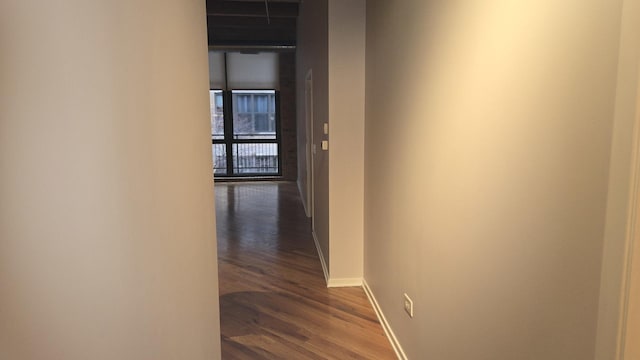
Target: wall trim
<point>344,282</point>
<point>325,269</point>
<point>395,344</point>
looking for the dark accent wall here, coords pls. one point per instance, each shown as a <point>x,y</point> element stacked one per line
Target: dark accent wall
<point>287,70</point>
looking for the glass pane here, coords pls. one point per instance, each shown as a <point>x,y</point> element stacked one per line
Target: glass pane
<point>243,103</point>
<point>262,103</point>
<point>219,152</point>
<point>217,114</point>
<point>259,158</point>
<point>261,123</point>
<point>254,114</point>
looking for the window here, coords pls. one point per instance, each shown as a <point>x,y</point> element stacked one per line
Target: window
<point>247,142</point>
<point>217,114</point>
<point>254,114</point>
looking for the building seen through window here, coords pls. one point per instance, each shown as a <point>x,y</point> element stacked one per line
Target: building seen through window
<point>252,136</point>
<point>254,114</point>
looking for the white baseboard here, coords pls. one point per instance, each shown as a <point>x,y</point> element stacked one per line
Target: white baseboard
<point>344,282</point>
<point>325,270</point>
<point>383,321</point>
<point>333,282</point>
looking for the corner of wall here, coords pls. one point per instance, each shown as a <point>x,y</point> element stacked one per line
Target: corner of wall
<point>620,229</point>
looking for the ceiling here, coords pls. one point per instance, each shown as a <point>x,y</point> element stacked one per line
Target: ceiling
<point>246,23</point>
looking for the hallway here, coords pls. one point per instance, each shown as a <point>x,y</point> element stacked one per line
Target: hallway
<point>274,303</point>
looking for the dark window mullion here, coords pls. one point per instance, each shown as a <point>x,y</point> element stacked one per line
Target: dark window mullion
<point>278,130</point>
<point>228,128</point>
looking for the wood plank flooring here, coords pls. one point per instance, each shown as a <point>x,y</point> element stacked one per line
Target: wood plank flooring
<point>274,303</point>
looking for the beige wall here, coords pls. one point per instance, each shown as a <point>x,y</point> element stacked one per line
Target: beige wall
<point>107,233</point>
<point>346,140</point>
<point>487,154</point>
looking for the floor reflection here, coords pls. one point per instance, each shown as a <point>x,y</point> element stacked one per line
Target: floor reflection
<point>274,302</point>
<point>259,215</point>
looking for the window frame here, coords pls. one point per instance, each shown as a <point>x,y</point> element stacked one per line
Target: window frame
<point>230,139</point>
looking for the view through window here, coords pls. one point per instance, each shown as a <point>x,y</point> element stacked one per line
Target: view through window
<point>244,132</point>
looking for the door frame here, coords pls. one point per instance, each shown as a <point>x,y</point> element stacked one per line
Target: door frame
<point>630,317</point>
<point>310,148</point>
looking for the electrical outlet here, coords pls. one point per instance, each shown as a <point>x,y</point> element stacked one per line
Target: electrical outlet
<point>408,305</point>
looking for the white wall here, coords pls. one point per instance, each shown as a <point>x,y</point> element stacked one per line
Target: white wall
<point>107,232</point>
<point>487,156</point>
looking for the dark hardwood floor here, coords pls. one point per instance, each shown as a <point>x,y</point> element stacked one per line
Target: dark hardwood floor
<point>274,303</point>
